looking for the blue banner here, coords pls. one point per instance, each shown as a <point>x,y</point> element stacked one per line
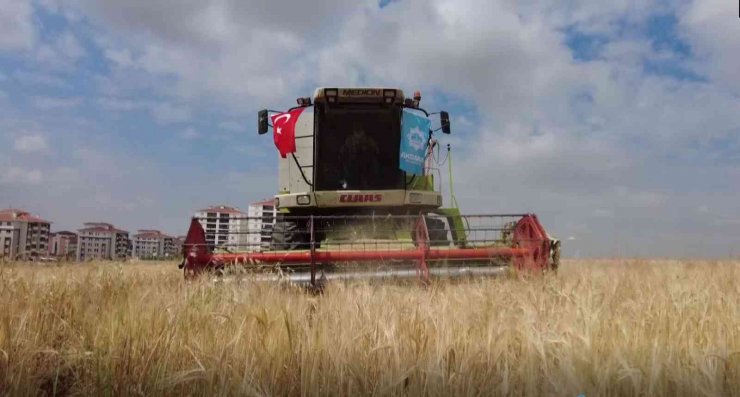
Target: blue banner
<point>414,140</point>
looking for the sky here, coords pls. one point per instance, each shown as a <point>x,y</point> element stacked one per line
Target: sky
<point>617,122</point>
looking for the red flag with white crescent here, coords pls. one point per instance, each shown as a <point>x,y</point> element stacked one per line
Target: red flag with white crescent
<point>283,131</point>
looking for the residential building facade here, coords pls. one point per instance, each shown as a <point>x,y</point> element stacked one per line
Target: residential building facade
<point>23,235</point>
<point>100,240</point>
<point>153,244</point>
<point>63,244</point>
<point>261,220</point>
<point>176,248</point>
<point>225,227</point>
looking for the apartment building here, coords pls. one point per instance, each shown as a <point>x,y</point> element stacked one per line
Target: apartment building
<point>100,240</point>
<point>63,244</point>
<point>22,235</point>
<point>225,227</point>
<point>261,220</point>
<point>151,244</point>
<point>176,247</point>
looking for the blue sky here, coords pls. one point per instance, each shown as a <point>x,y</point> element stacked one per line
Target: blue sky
<point>616,123</point>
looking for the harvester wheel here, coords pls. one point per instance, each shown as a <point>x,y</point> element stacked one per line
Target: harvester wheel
<point>437,232</point>
<point>289,235</point>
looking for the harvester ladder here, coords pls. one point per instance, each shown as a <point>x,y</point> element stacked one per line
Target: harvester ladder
<point>298,163</point>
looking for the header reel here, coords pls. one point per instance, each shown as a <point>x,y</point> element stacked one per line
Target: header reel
<point>313,249</point>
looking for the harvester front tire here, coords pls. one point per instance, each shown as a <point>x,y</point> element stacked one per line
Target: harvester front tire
<point>289,235</point>
<point>437,233</point>
<point>286,235</point>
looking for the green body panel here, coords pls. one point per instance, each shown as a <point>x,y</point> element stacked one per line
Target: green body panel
<point>393,232</point>
<point>457,224</point>
<point>420,182</point>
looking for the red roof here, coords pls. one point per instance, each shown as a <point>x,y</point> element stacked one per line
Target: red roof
<point>224,209</point>
<point>98,224</point>
<point>14,214</point>
<point>94,229</point>
<point>8,217</point>
<point>149,233</point>
<point>100,227</point>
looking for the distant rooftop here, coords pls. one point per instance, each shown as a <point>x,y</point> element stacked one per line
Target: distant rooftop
<point>150,233</point>
<point>224,209</point>
<point>65,233</point>
<point>100,227</point>
<point>15,214</point>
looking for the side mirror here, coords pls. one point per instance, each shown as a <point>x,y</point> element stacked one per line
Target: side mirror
<point>262,122</point>
<point>444,119</point>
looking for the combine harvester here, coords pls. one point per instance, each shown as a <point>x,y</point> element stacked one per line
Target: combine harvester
<point>357,199</point>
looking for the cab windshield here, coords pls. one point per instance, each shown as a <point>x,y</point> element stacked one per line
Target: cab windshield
<point>357,147</point>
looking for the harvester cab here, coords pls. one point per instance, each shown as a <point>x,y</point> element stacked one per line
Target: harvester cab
<point>357,198</point>
<point>347,155</point>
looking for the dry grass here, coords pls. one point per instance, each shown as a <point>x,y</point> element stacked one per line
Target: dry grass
<point>596,328</point>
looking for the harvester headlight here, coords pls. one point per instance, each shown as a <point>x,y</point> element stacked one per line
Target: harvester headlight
<point>331,94</point>
<point>389,95</point>
<point>303,199</point>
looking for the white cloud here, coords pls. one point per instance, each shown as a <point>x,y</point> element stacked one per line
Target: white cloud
<point>119,105</point>
<point>30,143</point>
<point>602,213</point>
<point>120,57</point>
<point>37,78</point>
<point>231,126</point>
<point>189,133</point>
<point>60,53</point>
<point>65,178</point>
<point>68,45</point>
<point>166,113</point>
<point>55,103</point>
<point>713,33</point>
<point>228,50</point>
<point>16,25</point>
<point>108,201</point>
<point>18,175</point>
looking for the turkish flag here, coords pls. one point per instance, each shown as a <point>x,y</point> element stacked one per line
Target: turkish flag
<point>283,131</point>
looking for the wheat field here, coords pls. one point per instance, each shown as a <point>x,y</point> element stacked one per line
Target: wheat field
<point>597,327</point>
